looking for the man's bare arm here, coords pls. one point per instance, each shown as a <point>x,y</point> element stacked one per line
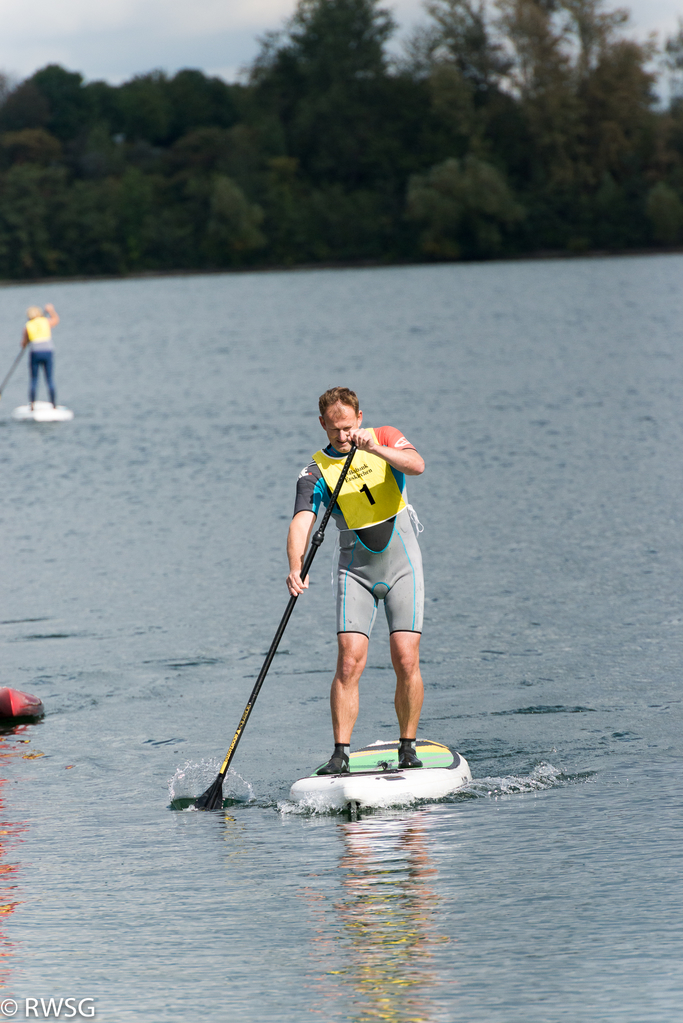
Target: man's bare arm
<point>406,460</point>
<point>300,529</point>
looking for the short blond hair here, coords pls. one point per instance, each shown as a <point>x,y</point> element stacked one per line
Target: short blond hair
<point>33,311</point>
<point>343,395</point>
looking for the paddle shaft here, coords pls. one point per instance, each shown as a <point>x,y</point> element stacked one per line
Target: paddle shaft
<point>14,366</point>
<point>316,541</point>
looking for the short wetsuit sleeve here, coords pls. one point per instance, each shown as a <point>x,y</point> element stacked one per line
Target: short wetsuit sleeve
<point>390,437</point>
<point>309,489</point>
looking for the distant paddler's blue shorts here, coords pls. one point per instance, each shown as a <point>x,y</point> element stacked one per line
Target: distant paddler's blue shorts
<point>393,575</point>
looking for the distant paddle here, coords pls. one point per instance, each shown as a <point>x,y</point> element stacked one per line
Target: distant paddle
<point>12,369</point>
<point>212,799</point>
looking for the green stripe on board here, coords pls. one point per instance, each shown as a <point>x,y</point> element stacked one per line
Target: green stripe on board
<point>432,754</point>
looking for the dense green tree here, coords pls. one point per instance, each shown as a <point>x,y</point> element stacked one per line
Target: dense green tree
<point>103,103</point>
<point>325,79</point>
<point>464,207</point>
<point>199,151</point>
<point>665,210</point>
<point>285,204</point>
<point>197,102</point>
<point>145,108</point>
<point>509,125</point>
<point>233,226</point>
<point>99,155</point>
<point>28,195</point>
<point>87,226</point>
<point>24,107</point>
<point>69,104</point>
<point>460,35</point>
<point>31,145</point>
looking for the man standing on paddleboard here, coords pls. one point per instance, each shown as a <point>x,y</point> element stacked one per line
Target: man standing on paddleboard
<point>38,334</point>
<point>379,559</point>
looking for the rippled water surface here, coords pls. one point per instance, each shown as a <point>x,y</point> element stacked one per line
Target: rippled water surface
<point>142,581</point>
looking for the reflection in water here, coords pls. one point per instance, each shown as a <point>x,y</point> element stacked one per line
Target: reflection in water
<point>8,834</point>
<point>236,848</point>
<point>384,926</point>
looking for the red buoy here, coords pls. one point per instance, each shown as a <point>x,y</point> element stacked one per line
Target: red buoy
<point>14,704</point>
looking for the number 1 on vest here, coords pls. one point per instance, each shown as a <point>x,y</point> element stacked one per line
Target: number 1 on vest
<point>378,498</point>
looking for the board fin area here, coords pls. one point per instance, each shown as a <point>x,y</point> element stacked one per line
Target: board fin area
<point>383,756</point>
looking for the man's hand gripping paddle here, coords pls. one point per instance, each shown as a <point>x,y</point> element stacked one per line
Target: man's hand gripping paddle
<point>212,799</point>
<point>12,369</point>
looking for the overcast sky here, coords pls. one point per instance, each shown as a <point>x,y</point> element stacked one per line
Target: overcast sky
<point>115,39</point>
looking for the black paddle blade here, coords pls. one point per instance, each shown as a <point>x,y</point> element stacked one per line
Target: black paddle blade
<point>212,799</point>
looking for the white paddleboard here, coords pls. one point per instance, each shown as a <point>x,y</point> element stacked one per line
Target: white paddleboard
<point>43,412</point>
<point>375,780</point>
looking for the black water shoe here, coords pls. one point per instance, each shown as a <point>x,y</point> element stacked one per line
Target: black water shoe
<point>406,755</point>
<point>338,762</point>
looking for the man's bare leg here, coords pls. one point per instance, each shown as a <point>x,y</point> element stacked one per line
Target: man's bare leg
<point>353,653</point>
<point>405,657</point>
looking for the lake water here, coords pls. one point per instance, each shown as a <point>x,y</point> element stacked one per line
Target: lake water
<point>142,581</point>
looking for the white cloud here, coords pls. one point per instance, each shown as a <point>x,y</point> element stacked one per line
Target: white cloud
<point>79,17</point>
<point>115,39</point>
<point>655,16</point>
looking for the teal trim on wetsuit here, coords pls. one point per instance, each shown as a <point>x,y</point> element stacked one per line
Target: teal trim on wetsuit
<point>413,571</point>
<point>398,568</point>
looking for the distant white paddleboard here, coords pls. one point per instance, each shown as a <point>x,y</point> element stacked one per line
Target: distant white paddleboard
<point>375,780</point>
<point>43,412</point>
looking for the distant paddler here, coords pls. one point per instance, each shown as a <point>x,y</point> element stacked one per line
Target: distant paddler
<point>38,334</point>
<point>379,559</point>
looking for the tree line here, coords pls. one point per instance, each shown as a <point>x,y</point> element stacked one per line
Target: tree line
<point>503,128</point>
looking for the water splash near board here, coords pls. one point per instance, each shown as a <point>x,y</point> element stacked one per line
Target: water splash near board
<point>192,778</point>
<point>542,777</point>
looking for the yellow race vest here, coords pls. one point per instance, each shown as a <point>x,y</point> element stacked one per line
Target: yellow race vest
<point>369,494</point>
<point>38,329</point>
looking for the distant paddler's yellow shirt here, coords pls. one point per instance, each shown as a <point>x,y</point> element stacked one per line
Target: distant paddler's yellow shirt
<point>38,330</point>
<point>369,494</point>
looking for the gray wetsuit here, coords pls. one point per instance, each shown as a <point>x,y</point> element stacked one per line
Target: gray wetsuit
<point>393,575</point>
<point>381,562</point>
